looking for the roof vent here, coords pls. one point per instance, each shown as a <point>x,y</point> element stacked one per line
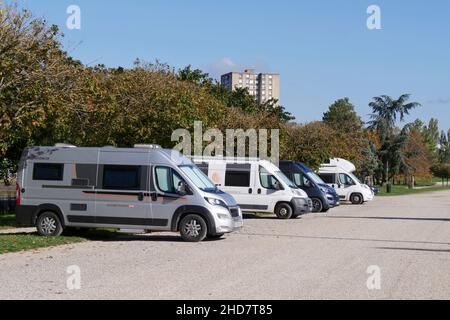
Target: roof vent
<point>147,146</point>
<point>63,145</point>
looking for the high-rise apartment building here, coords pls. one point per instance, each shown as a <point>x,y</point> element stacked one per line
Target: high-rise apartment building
<point>262,86</point>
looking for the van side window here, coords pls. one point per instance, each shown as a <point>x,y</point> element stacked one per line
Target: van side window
<point>121,177</point>
<point>328,178</point>
<point>238,175</point>
<point>301,180</point>
<point>268,181</point>
<point>346,180</point>
<point>48,172</point>
<point>167,179</point>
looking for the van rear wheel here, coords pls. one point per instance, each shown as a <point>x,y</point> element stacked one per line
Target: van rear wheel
<point>48,224</point>
<point>284,211</point>
<point>193,228</point>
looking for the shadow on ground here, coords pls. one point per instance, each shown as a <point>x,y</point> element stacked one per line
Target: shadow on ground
<point>113,236</point>
<point>391,218</point>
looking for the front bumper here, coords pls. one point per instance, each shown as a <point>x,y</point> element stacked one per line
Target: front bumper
<point>234,221</point>
<point>302,206</point>
<point>333,201</point>
<point>369,197</point>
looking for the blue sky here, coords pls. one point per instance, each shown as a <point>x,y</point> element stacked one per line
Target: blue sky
<point>322,49</point>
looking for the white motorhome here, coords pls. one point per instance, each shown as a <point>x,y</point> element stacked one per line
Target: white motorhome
<point>136,190</point>
<point>338,173</point>
<point>257,185</point>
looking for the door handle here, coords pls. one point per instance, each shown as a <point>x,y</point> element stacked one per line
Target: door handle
<point>141,196</point>
<point>250,191</point>
<point>259,191</point>
<point>154,196</point>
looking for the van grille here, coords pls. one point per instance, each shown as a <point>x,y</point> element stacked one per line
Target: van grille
<point>234,212</point>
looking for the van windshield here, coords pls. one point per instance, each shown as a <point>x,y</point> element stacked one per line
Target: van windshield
<point>314,177</point>
<point>198,178</point>
<point>285,179</point>
<point>354,178</point>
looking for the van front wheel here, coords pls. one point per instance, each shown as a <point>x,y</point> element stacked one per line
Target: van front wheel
<point>317,205</point>
<point>284,211</point>
<point>193,228</point>
<point>49,225</point>
<point>357,198</point>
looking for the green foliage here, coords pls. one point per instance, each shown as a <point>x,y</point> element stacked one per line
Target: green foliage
<point>316,142</point>
<point>386,112</point>
<point>441,171</point>
<point>342,116</point>
<point>7,169</point>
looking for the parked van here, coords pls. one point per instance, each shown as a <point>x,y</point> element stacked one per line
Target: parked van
<point>338,173</point>
<point>257,185</point>
<point>136,190</point>
<point>323,197</point>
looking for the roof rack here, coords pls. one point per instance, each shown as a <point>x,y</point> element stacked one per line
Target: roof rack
<point>64,145</point>
<point>147,146</point>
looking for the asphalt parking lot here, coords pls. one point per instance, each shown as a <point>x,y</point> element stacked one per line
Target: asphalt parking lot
<point>404,242</point>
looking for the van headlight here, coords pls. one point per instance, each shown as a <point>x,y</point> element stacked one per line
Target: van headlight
<point>216,202</point>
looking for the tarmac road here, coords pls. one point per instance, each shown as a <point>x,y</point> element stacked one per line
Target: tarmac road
<point>319,256</point>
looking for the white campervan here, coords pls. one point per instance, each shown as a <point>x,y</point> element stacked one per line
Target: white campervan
<point>140,189</point>
<point>338,173</point>
<point>257,185</point>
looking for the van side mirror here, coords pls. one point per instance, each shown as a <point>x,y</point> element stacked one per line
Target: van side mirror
<point>182,189</point>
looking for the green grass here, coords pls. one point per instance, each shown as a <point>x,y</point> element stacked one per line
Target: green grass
<point>20,242</point>
<point>403,190</point>
<point>7,222</point>
<point>11,242</point>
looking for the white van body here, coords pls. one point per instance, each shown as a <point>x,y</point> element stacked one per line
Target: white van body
<point>339,174</point>
<point>257,185</point>
<point>138,189</point>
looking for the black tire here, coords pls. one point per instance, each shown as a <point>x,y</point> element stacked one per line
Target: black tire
<point>357,198</point>
<point>295,216</point>
<point>317,205</point>
<point>193,228</point>
<point>284,211</point>
<point>216,236</point>
<point>48,224</point>
<point>325,210</point>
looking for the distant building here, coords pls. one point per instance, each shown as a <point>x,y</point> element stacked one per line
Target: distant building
<point>262,86</point>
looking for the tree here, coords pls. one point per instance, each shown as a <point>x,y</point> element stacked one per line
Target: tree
<point>196,76</point>
<point>442,171</point>
<point>38,84</point>
<point>342,116</point>
<point>369,163</point>
<point>444,148</point>
<point>386,112</point>
<point>315,142</point>
<point>415,157</point>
